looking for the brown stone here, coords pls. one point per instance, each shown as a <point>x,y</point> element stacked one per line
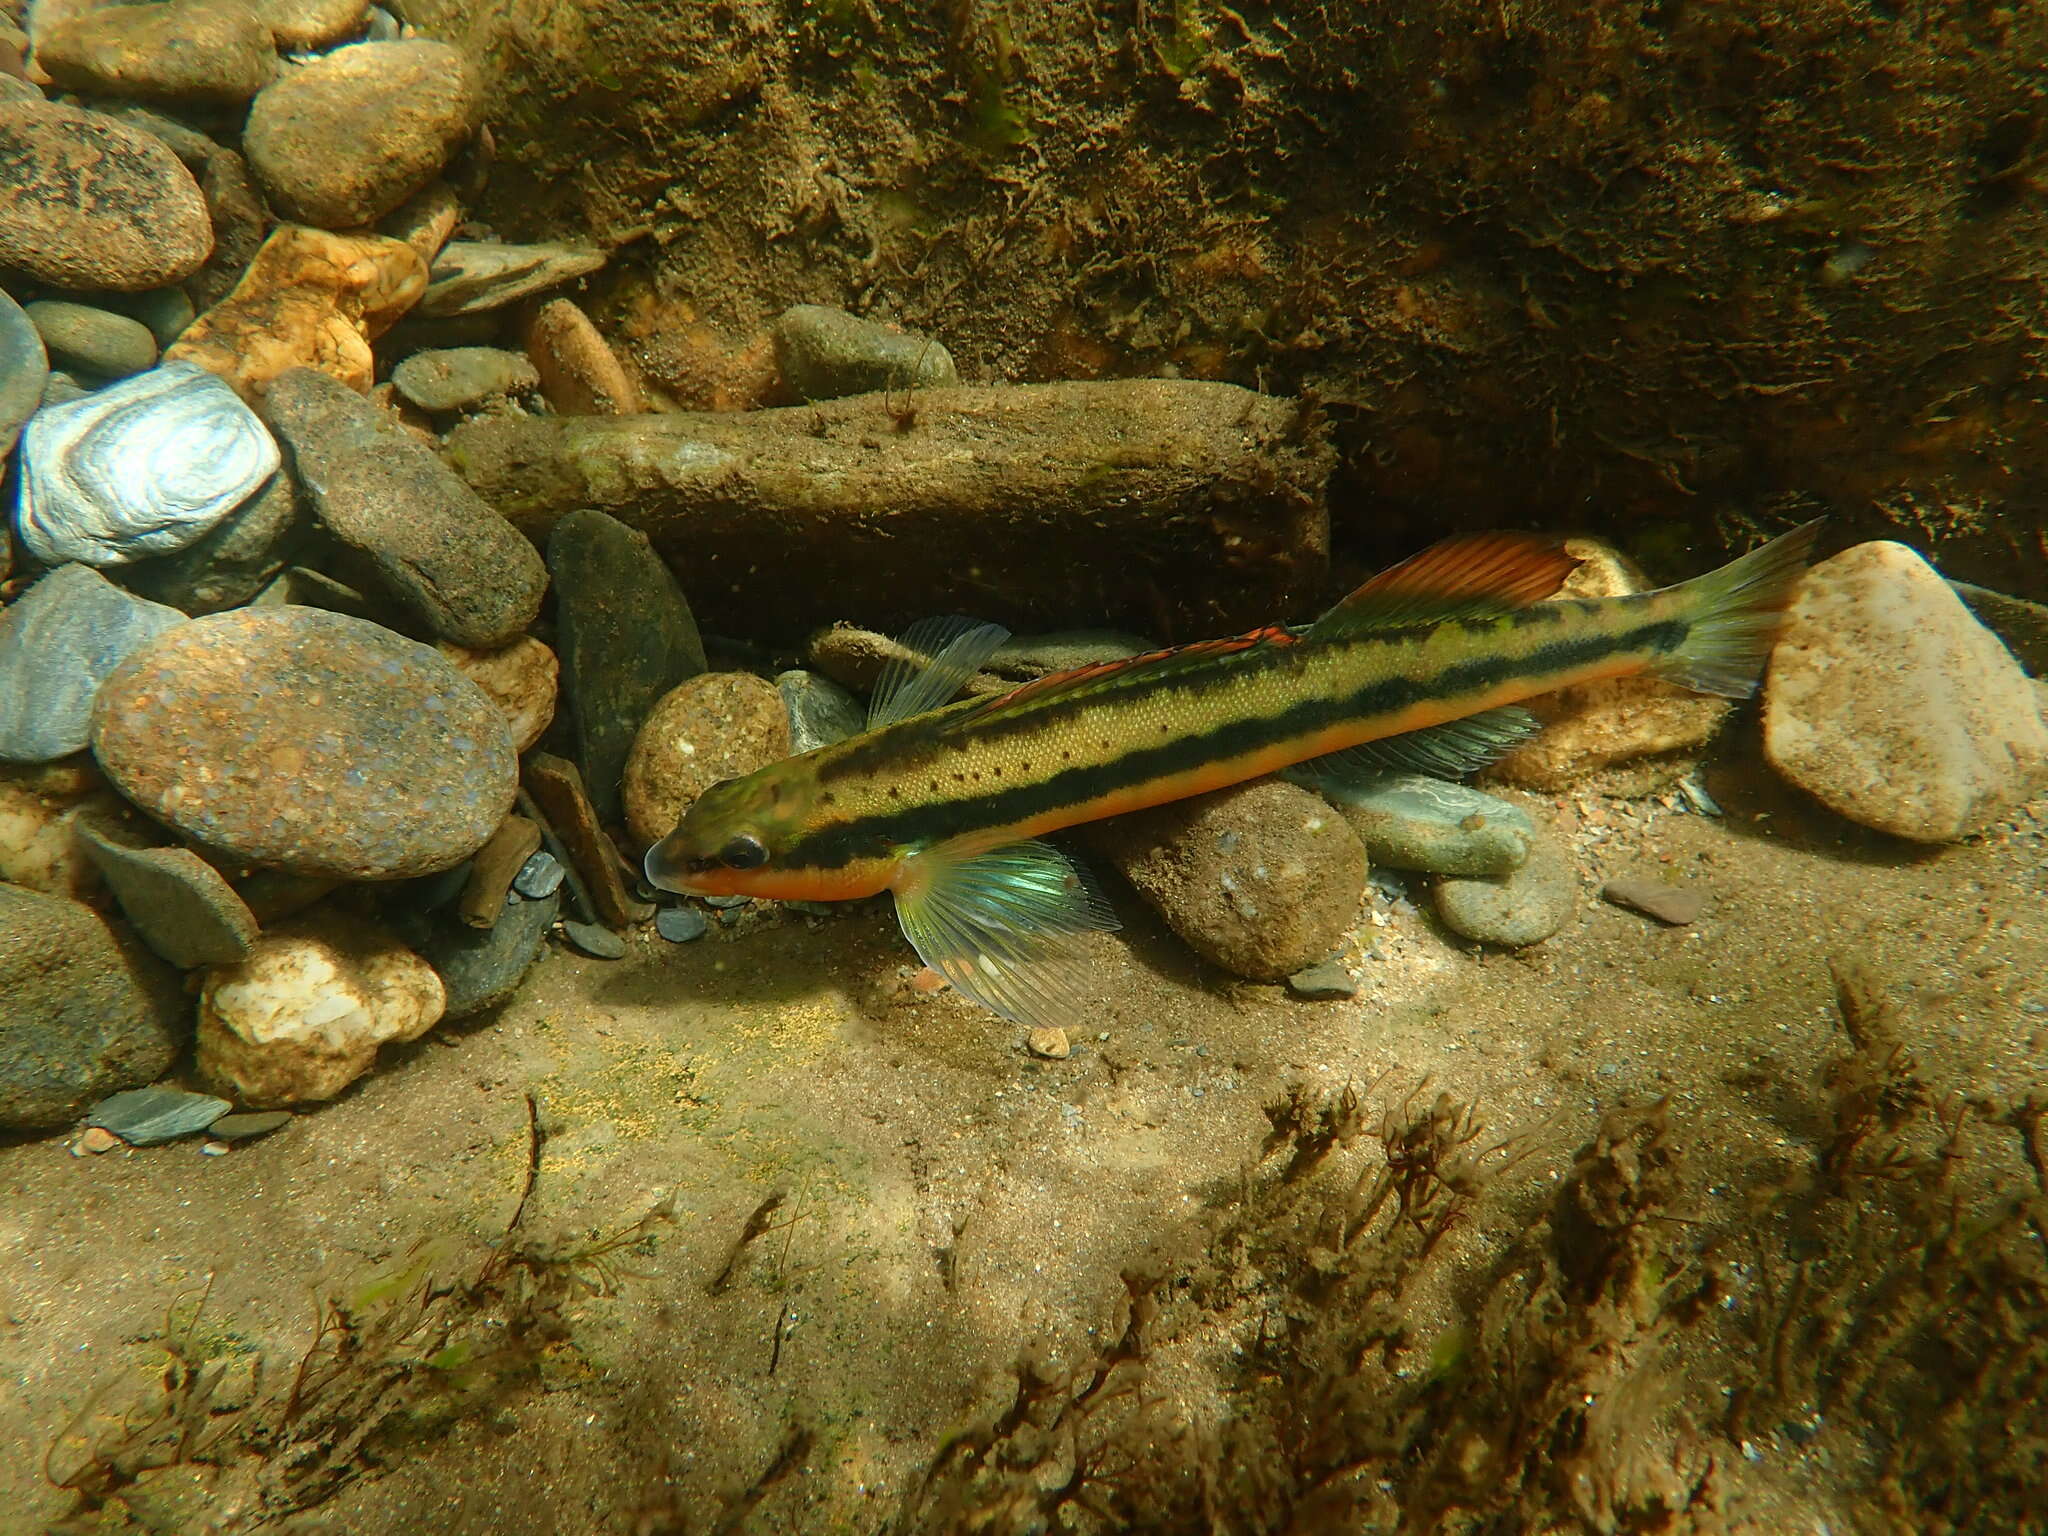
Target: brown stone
<point>492,868</point>
<point>519,678</point>
<point>208,52</point>
<point>579,372</point>
<point>557,790</point>
<point>718,725</point>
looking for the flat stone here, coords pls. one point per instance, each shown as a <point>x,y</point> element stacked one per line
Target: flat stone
<point>442,551</point>
<point>1672,904</point>
<point>557,790</point>
<point>1411,821</point>
<point>309,742</point>
<point>681,924</point>
<point>1893,707</point>
<point>201,52</point>
<point>482,967</point>
<point>1523,907</point>
<point>820,711</point>
<point>597,942</point>
<point>84,1011</point>
<point>459,378</point>
<point>182,906</point>
<point>493,868</point>
<point>539,876</point>
<point>24,367</point>
<point>719,725</point>
<point>345,139</point>
<point>95,341</point>
<point>473,275</point>
<point>247,1126</point>
<point>230,563</point>
<point>58,643</point>
<point>89,203</point>
<point>823,353</point>
<point>579,372</point>
<point>147,1117</point>
<point>626,637</point>
<point>1323,983</point>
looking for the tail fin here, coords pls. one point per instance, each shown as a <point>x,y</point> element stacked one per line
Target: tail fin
<point>1736,614</point>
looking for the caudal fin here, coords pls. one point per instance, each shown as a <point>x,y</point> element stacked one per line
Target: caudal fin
<point>1736,614</point>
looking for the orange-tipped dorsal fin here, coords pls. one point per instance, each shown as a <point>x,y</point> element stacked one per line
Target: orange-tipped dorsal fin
<point>1475,576</point>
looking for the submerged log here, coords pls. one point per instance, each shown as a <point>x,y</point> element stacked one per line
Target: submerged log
<point>1174,507</point>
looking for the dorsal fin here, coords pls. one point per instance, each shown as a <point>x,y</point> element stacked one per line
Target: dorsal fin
<point>1475,576</point>
<point>1077,677</point>
<point>943,654</point>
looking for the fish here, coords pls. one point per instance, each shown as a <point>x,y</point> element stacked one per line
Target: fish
<point>947,804</point>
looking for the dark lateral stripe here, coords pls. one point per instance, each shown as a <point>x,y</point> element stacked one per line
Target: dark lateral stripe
<point>840,843</point>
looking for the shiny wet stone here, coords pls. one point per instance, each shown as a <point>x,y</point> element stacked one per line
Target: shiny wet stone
<point>680,925</point>
<point>143,1117</point>
<point>598,942</point>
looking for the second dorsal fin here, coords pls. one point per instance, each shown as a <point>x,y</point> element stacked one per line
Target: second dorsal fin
<point>1474,576</point>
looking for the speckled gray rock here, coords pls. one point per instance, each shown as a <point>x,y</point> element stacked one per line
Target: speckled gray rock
<point>1892,706</point>
<point>148,1117</point>
<point>307,741</point>
<point>1523,907</point>
<point>179,904</point>
<point>823,353</point>
<point>93,204</point>
<point>820,711</point>
<point>23,368</point>
<point>466,572</point>
<point>625,638</point>
<point>90,340</point>
<point>470,276</point>
<point>58,642</point>
<point>233,562</point>
<point>482,967</point>
<point>345,139</point>
<point>456,378</point>
<point>1410,821</point>
<point>205,52</point>
<point>84,1011</point>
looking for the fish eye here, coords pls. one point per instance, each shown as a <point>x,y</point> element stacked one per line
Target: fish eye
<point>745,851</point>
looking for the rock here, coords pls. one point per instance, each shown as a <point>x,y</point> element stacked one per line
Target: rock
<point>163,312</point>
<point>310,299</point>
<point>541,875</point>
<point>299,24</point>
<point>716,726</point>
<point>232,562</point>
<point>192,147</point>
<point>626,638</point>
<point>1323,983</point>
<point>180,905</point>
<point>2021,624</point>
<point>93,341</point>
<point>345,139</point>
<point>1262,879</point>
<point>83,1012</point>
<point>1672,904</point>
<point>472,275</point>
<point>557,789</point>
<point>1892,706</point>
<point>425,220</point>
<point>1048,1044</point>
<point>519,678</point>
<point>823,353</point>
<point>247,1127</point>
<point>820,711</point>
<point>1411,821</point>
<point>303,1016</point>
<point>597,942</point>
<point>482,967</point>
<point>139,468</point>
<point>579,373</point>
<point>148,1117</point>
<point>459,378</point>
<point>1630,735</point>
<point>681,924</point>
<point>1523,907</point>
<point>95,1141</point>
<point>38,809</point>
<point>200,52</point>
<point>309,742</point>
<point>241,223</point>
<point>88,203</point>
<point>58,642</point>
<point>493,868</point>
<point>24,367</point>
<point>457,565</point>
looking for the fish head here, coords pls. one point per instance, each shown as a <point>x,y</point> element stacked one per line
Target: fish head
<point>728,841</point>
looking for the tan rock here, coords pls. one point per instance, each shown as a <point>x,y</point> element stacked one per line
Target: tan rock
<point>304,1015</point>
<point>520,678</point>
<point>310,299</point>
<point>311,23</point>
<point>209,52</point>
<point>38,805</point>
<point>715,726</point>
<point>1891,705</point>
<point>579,372</point>
<point>425,220</point>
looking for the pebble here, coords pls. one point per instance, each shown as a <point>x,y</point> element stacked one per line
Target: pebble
<point>90,203</point>
<point>579,372</point>
<point>304,1015</point>
<point>179,904</point>
<point>823,353</point>
<point>1523,907</point>
<point>203,53</point>
<point>38,808</point>
<point>307,741</point>
<point>626,638</point>
<point>598,942</point>
<point>463,570</point>
<point>298,24</point>
<point>820,711</point>
<point>95,1141</point>
<point>1411,821</point>
<point>148,1117</point>
<point>92,341</point>
<point>1261,879</point>
<point>1673,904</point>
<point>345,139</point>
<point>140,468</point>
<point>84,1012</point>
<point>232,561</point>
<point>540,876</point>
<point>473,275</point>
<point>1323,983</point>
<point>308,299</point>
<point>1049,1043</point>
<point>681,924</point>
<point>248,1125</point>
<point>482,967</point>
<point>58,642</point>
<point>719,725</point>
<point>460,378</point>
<point>1892,706</point>
<point>24,367</point>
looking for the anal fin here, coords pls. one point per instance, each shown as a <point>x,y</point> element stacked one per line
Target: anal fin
<point>1447,751</point>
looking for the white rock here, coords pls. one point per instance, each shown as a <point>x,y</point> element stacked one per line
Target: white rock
<point>37,807</point>
<point>1891,705</point>
<point>303,1016</point>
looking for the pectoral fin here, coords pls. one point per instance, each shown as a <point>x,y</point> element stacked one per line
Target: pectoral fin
<point>1002,926</point>
<point>1448,751</point>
